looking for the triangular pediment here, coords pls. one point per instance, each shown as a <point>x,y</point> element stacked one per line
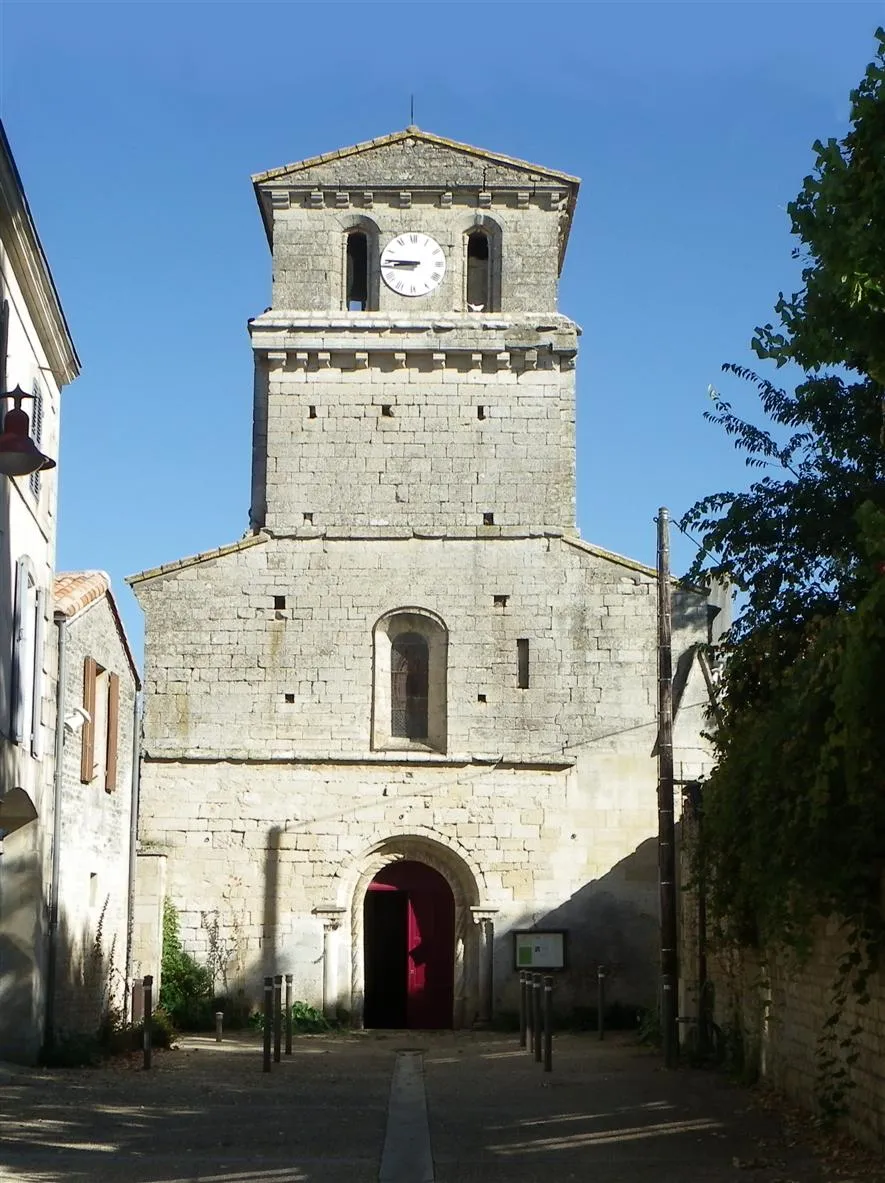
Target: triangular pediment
<point>414,158</point>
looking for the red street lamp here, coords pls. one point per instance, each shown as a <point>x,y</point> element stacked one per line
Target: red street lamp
<point>19,455</point>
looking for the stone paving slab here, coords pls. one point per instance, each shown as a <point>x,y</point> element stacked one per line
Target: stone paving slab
<point>608,1113</point>
<point>204,1112</point>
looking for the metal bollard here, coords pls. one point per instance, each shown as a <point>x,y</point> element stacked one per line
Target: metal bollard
<point>288,1014</point>
<point>548,1023</point>
<point>219,1024</point>
<point>600,1001</point>
<point>148,1018</point>
<point>522,1015</point>
<point>277,1016</point>
<point>268,1021</point>
<point>529,1016</point>
<point>536,1016</point>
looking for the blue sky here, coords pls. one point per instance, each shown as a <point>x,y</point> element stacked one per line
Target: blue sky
<point>136,128</point>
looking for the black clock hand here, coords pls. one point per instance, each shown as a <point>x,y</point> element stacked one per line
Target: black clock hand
<point>403,263</point>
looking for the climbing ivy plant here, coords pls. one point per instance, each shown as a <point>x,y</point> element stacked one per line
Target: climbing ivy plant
<point>794,813</point>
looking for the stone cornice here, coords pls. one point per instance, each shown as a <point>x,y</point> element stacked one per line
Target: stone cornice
<point>313,357</point>
<point>294,320</point>
<point>552,196</point>
<point>373,759</point>
<point>306,341</point>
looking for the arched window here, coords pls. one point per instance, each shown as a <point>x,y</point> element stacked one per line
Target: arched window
<point>356,296</point>
<point>479,273</point>
<point>409,683</point>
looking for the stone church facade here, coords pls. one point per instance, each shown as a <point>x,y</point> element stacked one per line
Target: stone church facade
<point>412,712</point>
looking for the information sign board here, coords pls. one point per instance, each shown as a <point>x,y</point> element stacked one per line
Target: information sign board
<point>541,949</point>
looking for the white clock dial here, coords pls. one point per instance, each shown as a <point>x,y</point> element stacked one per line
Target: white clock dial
<point>413,264</point>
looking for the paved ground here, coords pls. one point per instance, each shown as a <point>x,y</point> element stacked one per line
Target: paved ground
<point>608,1114</point>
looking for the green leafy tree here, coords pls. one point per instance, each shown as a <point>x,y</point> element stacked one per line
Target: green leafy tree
<point>791,542</point>
<point>794,812</point>
<point>794,819</point>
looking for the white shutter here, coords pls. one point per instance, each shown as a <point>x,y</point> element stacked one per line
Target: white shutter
<point>19,652</point>
<point>37,695</point>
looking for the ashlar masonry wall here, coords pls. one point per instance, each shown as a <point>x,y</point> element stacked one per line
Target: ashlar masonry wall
<point>348,436</point>
<point>261,784</point>
<point>780,1004</point>
<point>95,830</point>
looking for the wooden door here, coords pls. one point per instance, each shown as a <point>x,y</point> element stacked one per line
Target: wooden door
<point>416,978</point>
<point>385,950</point>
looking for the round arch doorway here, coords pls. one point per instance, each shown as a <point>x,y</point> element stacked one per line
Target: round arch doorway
<point>409,948</point>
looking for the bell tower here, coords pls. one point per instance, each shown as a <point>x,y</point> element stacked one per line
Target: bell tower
<point>413,375</point>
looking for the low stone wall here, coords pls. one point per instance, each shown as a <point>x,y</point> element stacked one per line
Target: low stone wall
<point>780,1007</point>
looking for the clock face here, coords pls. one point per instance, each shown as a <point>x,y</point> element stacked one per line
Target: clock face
<point>413,264</point>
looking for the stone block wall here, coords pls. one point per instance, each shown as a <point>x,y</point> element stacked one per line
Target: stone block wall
<point>352,437</point>
<point>263,787</point>
<point>94,849</point>
<point>780,1004</point>
<point>222,657</point>
<point>147,917</point>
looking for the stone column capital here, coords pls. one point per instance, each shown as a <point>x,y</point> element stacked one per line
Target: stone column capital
<point>481,913</point>
<point>331,916</point>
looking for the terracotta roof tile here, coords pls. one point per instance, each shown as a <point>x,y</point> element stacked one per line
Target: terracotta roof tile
<point>75,589</point>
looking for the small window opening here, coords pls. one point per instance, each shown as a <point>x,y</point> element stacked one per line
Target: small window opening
<point>488,519</point>
<point>387,411</point>
<point>311,412</point>
<point>500,601</point>
<point>478,272</point>
<point>279,602</point>
<point>357,271</point>
<point>409,679</point>
<point>93,889</point>
<point>522,663</point>
<point>290,698</point>
<point>480,698</point>
<point>480,412</point>
<point>308,519</point>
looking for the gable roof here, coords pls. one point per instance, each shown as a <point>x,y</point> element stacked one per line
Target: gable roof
<point>611,556</point>
<point>512,172</point>
<point>413,133</point>
<point>75,591</point>
<point>203,556</point>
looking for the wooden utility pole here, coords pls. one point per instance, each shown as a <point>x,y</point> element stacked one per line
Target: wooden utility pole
<point>666,821</point>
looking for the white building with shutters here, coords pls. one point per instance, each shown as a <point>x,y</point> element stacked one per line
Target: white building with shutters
<point>93,866</point>
<point>38,355</point>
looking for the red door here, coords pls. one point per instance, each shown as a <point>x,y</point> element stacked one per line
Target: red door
<point>428,937</point>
